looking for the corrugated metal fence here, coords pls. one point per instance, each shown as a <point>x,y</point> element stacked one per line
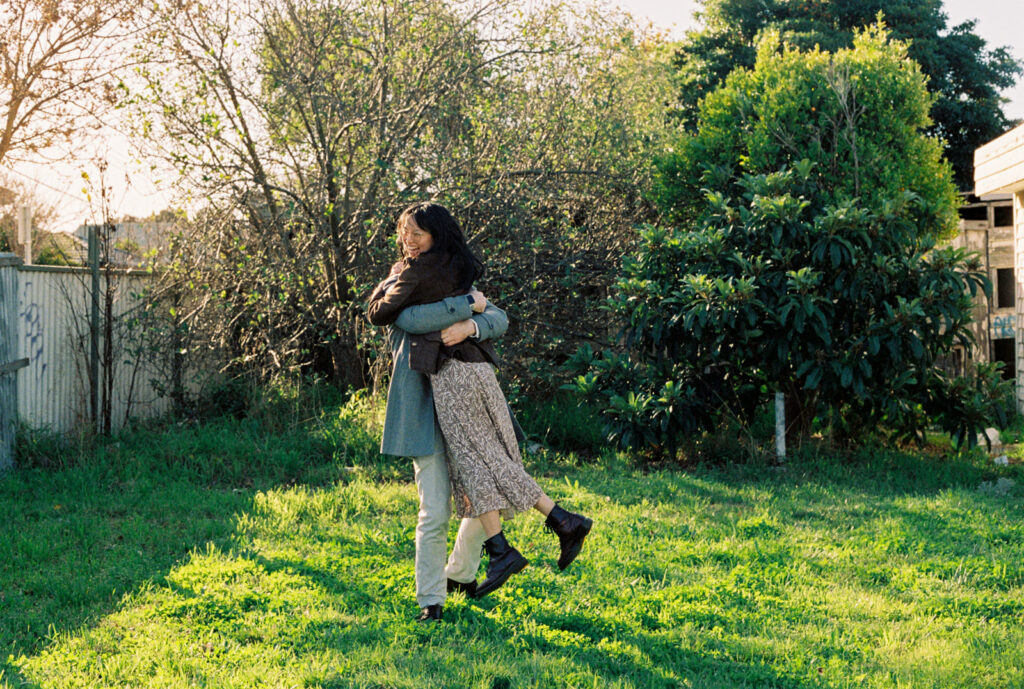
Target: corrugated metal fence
<point>52,330</point>
<point>52,309</point>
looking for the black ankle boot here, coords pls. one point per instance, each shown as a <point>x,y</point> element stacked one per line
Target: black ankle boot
<point>503,562</point>
<point>571,529</point>
<point>431,613</point>
<point>468,587</point>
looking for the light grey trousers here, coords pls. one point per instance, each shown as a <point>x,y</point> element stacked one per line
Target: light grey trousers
<point>435,493</point>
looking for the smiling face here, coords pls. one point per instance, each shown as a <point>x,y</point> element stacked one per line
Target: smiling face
<point>413,238</point>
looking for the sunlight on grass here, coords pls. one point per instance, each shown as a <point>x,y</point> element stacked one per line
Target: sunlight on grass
<point>874,571</point>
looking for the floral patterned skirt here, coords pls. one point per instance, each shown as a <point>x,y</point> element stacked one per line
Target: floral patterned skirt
<point>486,470</point>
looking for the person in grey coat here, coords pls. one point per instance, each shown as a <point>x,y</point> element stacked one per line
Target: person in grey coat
<point>411,430</point>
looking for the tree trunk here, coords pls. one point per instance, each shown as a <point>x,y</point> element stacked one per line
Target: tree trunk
<point>350,369</point>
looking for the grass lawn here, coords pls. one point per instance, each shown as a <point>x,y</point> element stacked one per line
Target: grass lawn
<point>245,554</point>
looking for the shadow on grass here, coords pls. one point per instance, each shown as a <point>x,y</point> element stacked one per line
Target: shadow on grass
<point>474,629</point>
<point>83,527</point>
<point>914,501</point>
<point>73,549</point>
<point>76,540</point>
<point>874,473</point>
<point>873,470</point>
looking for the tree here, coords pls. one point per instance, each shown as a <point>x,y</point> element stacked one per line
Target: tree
<point>57,59</point>
<point>963,74</point>
<point>297,120</point>
<point>858,114</point>
<point>813,267</point>
<point>306,125</point>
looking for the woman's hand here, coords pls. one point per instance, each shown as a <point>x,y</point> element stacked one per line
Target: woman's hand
<point>454,334</point>
<point>479,301</point>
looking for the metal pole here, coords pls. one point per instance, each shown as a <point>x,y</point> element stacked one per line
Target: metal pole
<point>94,327</point>
<point>780,426</point>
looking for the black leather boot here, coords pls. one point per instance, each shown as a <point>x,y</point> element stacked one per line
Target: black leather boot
<point>468,587</point>
<point>503,562</point>
<point>431,613</point>
<point>571,529</point>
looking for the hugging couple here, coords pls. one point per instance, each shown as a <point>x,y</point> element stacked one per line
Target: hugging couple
<point>446,411</point>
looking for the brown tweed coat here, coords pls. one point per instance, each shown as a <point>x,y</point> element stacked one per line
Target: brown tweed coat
<point>425,279</point>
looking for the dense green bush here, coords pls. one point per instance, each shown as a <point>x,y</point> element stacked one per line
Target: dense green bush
<point>811,267</point>
<point>858,114</point>
<point>840,308</point>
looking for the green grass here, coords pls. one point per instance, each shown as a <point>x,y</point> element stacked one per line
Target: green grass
<point>247,554</point>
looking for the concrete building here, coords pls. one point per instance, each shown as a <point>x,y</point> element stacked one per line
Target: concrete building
<point>986,228</point>
<point>999,169</point>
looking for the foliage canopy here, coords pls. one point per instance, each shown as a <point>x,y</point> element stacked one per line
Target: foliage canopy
<point>857,114</point>
<point>964,75</point>
<point>58,59</point>
<point>306,125</point>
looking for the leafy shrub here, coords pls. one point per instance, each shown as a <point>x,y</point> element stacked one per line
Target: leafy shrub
<point>845,310</point>
<point>807,263</point>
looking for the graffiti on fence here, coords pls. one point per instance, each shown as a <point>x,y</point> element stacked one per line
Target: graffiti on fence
<point>34,341</point>
<point>1003,327</point>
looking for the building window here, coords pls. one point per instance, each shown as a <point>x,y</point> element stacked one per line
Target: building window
<point>1002,216</point>
<point>973,212</point>
<point>1005,289</point>
<point>1002,350</point>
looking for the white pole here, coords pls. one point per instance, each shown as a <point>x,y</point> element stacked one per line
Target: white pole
<point>780,426</point>
<point>25,231</point>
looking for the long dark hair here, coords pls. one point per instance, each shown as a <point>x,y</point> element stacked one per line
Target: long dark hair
<point>447,239</point>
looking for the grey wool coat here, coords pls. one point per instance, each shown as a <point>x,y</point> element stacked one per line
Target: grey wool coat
<point>409,421</point>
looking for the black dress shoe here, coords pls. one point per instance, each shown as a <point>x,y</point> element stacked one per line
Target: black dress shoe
<point>468,588</point>
<point>504,562</point>
<point>431,613</point>
<point>571,529</point>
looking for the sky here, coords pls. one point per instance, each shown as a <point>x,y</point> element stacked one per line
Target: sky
<point>134,192</point>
